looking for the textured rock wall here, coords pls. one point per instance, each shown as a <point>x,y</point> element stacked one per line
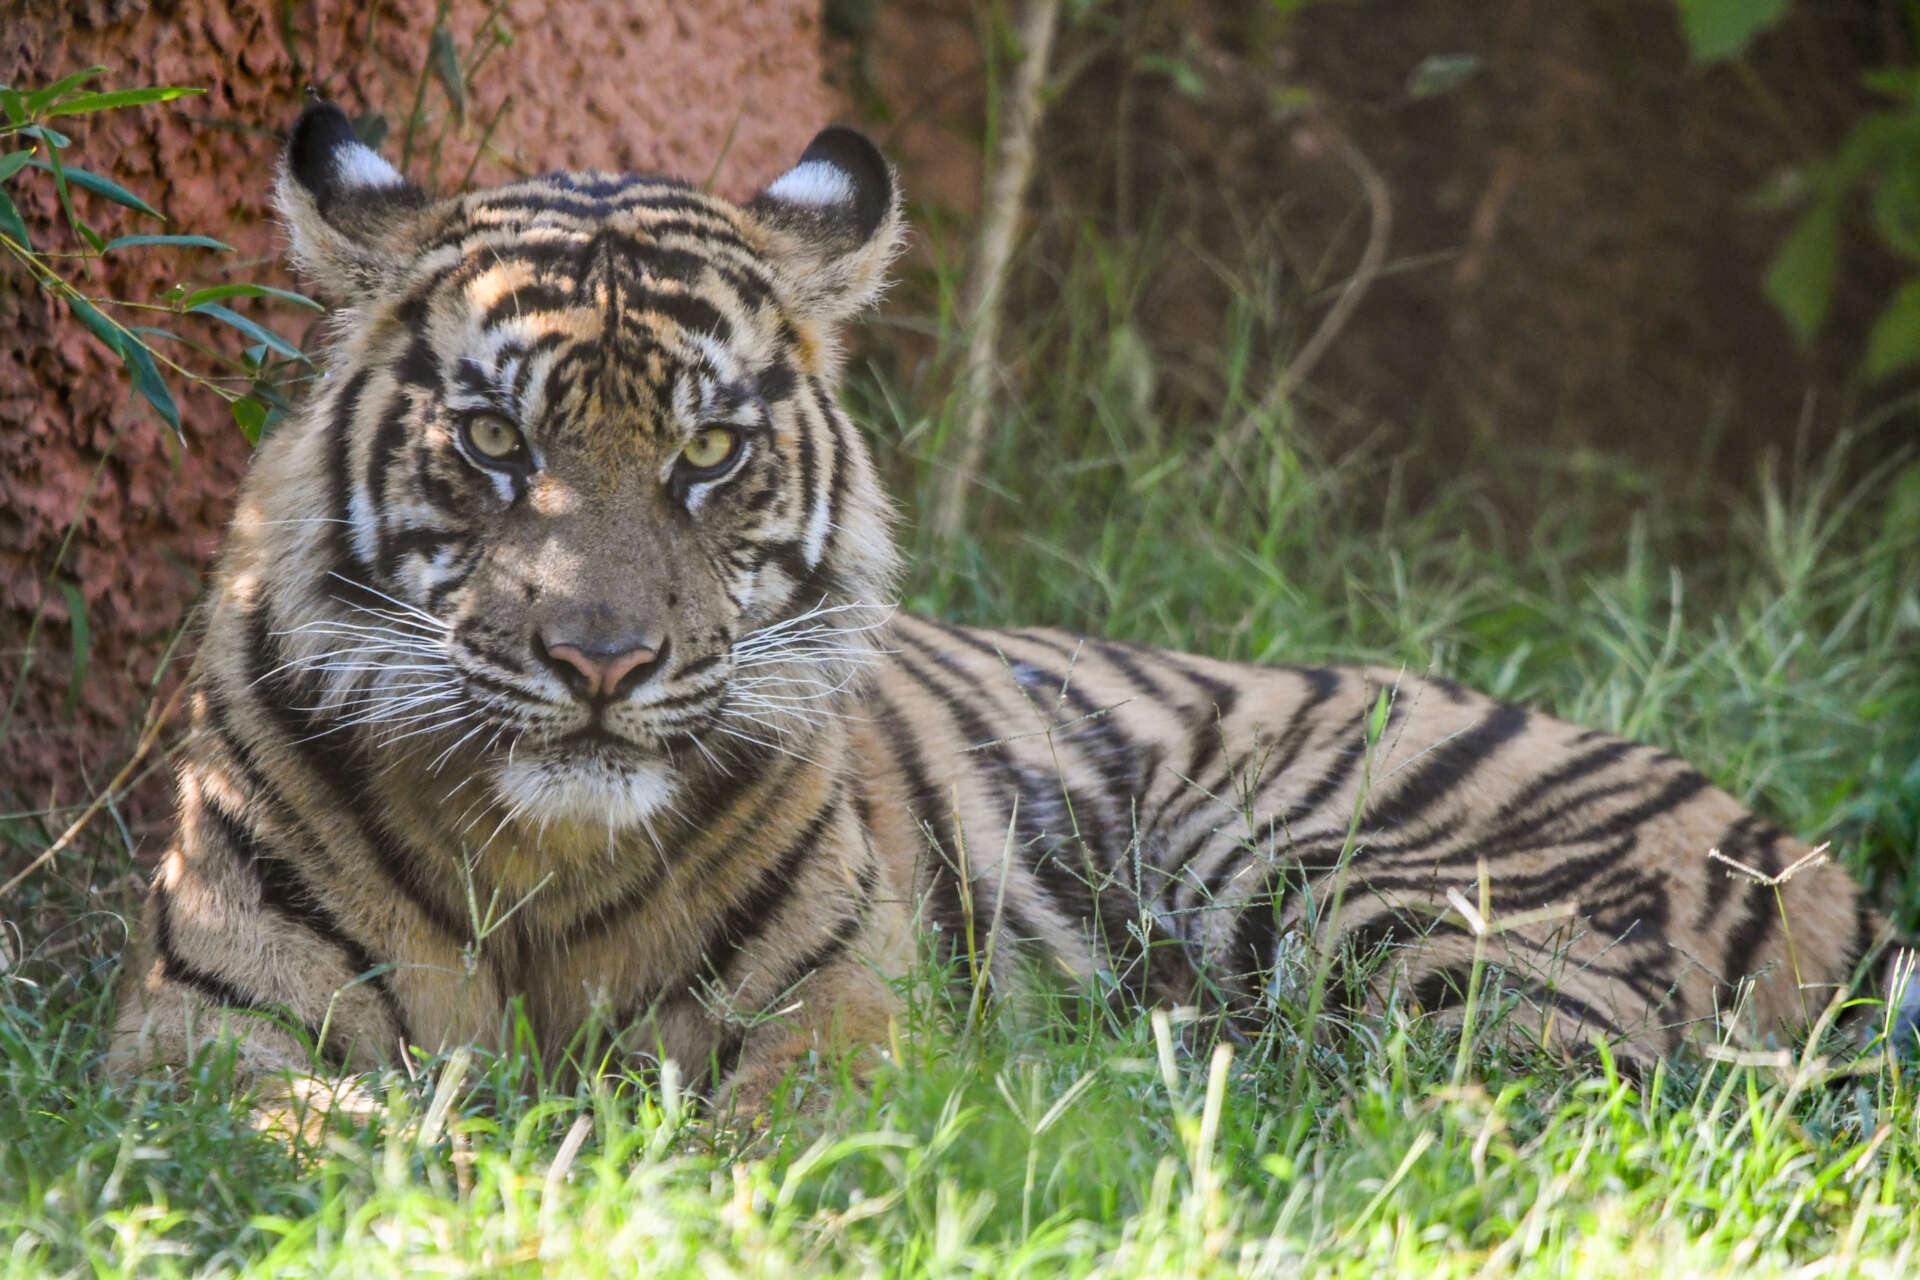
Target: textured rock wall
<point>728,88</point>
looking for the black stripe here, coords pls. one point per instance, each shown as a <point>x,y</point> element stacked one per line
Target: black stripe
<point>809,468</point>
<point>1072,894</point>
<point>1215,710</point>
<point>284,892</point>
<point>823,953</point>
<point>339,478</point>
<point>945,907</point>
<point>1346,759</point>
<point>219,991</point>
<point>1447,765</point>
<point>333,760</point>
<point>1446,988</point>
<point>385,455</point>
<point>1277,759</point>
<point>837,485</point>
<point>1738,842</point>
<point>750,915</point>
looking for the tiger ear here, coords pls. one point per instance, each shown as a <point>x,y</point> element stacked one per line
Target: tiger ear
<point>346,208</point>
<point>833,224</point>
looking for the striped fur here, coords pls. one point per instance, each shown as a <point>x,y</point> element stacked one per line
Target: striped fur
<point>397,818</point>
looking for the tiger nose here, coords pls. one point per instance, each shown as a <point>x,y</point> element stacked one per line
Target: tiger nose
<point>601,669</point>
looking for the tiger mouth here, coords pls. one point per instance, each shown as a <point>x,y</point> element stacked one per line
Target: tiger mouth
<point>595,739</point>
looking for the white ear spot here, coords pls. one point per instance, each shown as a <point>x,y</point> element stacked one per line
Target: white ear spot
<point>362,166</point>
<point>815,182</point>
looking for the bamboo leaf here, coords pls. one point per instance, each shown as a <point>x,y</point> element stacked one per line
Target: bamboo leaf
<point>258,332</point>
<point>52,165</point>
<point>103,328</point>
<point>445,61</point>
<point>148,382</point>
<point>89,181</point>
<point>87,102</point>
<point>221,292</point>
<point>82,642</point>
<point>196,242</point>
<point>251,415</point>
<point>11,224</point>
<point>41,98</point>
<point>13,162</point>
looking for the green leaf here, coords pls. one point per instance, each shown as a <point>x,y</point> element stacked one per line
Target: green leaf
<point>1895,82</point>
<point>13,162</point>
<point>1185,76</point>
<point>90,181</point>
<point>252,417</point>
<point>1896,202</point>
<point>103,328</point>
<point>445,62</point>
<point>52,165</point>
<point>1800,281</point>
<point>147,381</point>
<point>54,139</point>
<point>1377,722</point>
<point>1894,343</point>
<point>11,224</point>
<point>258,332</point>
<point>41,98</point>
<point>1440,72</point>
<point>1718,29</point>
<point>82,641</point>
<point>195,242</point>
<point>118,98</point>
<point>14,104</point>
<point>221,292</point>
<point>371,129</point>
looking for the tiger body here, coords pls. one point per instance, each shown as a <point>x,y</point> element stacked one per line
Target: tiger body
<point>550,664</point>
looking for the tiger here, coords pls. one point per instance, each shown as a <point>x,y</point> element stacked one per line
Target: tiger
<point>552,677</point>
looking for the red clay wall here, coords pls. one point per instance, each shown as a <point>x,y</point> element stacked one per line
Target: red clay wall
<point>728,87</point>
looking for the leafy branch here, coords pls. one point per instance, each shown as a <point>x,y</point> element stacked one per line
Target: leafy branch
<point>249,381</point>
<point>1880,156</point>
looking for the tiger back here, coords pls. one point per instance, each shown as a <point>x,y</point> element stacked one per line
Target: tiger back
<point>551,665</point>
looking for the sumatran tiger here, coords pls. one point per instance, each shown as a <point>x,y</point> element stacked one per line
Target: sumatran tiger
<point>551,671</point>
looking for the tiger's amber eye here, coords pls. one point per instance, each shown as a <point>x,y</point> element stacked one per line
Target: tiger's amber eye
<point>710,448</point>
<point>492,437</point>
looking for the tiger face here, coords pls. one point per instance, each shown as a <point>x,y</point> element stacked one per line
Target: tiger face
<point>609,524</point>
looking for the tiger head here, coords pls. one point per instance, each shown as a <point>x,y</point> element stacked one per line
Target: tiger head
<point>590,511</point>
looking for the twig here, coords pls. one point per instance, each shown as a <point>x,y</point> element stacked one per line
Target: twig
<point>149,734</point>
<point>1004,199</point>
<point>1372,258</point>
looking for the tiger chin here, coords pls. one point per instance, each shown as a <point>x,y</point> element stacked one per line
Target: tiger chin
<point>551,670</point>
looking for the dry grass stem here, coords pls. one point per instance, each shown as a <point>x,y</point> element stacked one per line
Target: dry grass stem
<point>1004,198</point>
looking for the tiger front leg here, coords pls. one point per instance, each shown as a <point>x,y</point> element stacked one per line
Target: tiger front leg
<point>827,994</point>
<point>844,1008</point>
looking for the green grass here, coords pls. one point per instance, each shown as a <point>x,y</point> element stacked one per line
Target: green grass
<point>1771,637</point>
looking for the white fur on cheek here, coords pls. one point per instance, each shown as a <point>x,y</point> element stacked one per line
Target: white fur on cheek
<point>589,792</point>
<point>815,182</point>
<point>360,166</point>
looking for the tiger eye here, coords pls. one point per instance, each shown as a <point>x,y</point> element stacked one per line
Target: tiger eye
<point>710,448</point>
<point>492,437</point>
